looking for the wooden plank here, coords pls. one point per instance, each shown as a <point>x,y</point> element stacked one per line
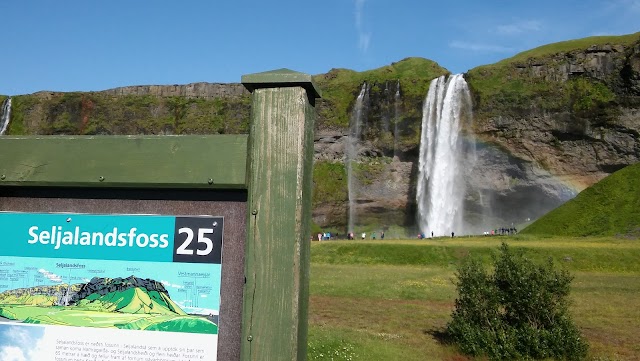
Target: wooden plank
<point>277,248</point>
<point>212,161</point>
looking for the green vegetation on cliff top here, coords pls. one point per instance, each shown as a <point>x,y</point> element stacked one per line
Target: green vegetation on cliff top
<point>101,113</point>
<point>340,87</point>
<point>512,86</point>
<point>609,207</point>
<point>572,45</point>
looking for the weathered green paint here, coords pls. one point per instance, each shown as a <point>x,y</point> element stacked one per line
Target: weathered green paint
<point>277,249</point>
<point>212,161</point>
<point>282,78</point>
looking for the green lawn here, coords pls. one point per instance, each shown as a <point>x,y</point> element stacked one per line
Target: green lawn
<point>391,300</point>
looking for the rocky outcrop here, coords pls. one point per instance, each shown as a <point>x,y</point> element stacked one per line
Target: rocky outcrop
<point>103,286</point>
<point>193,90</point>
<point>55,290</point>
<point>597,62</point>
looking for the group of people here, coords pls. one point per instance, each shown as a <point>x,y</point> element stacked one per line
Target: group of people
<point>351,235</point>
<point>501,231</point>
<point>423,235</point>
<point>325,236</point>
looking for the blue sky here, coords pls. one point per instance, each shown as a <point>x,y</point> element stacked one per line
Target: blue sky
<point>75,45</point>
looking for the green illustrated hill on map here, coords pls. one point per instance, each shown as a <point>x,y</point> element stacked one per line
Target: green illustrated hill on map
<point>126,303</point>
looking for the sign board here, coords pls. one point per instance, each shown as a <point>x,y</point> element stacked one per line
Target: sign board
<point>76,287</point>
<point>260,184</point>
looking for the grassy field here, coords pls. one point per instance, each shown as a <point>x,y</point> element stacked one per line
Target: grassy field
<point>391,300</point>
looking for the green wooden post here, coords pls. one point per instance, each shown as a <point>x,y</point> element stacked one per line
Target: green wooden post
<point>279,166</point>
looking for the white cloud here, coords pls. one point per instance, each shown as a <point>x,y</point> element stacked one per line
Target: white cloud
<point>169,284</point>
<point>480,47</point>
<point>12,353</point>
<point>519,27</point>
<point>44,347</point>
<point>22,345</point>
<point>16,335</point>
<point>364,37</point>
<point>51,276</point>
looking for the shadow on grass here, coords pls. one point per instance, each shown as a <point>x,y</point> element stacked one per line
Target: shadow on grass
<point>440,335</point>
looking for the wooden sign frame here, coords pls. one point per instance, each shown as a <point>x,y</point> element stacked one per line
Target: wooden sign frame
<point>265,175</point>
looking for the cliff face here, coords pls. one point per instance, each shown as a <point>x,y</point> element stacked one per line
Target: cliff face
<point>550,121</point>
<point>194,90</point>
<point>575,112</point>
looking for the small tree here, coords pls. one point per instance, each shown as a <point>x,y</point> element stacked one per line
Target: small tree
<point>518,312</point>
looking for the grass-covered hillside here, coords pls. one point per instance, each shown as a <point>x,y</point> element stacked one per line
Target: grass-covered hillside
<point>572,45</point>
<point>610,207</point>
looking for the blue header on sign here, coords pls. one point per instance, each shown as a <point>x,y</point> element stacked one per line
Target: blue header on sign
<point>88,236</point>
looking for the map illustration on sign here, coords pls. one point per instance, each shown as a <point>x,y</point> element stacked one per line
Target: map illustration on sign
<point>151,273</point>
<point>131,302</point>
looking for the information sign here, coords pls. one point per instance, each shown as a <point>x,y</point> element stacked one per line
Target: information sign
<point>80,287</point>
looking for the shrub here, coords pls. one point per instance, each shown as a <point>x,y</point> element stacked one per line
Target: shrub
<point>518,312</point>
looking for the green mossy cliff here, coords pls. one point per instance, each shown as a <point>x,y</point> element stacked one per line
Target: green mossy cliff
<point>107,112</point>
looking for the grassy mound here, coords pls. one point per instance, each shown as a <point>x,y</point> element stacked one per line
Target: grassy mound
<point>610,207</point>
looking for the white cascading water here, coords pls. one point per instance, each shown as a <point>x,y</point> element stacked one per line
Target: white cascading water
<point>351,153</point>
<point>444,157</point>
<point>386,116</point>
<point>5,115</point>
<point>396,119</point>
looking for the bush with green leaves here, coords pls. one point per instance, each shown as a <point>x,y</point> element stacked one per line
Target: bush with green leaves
<point>519,312</point>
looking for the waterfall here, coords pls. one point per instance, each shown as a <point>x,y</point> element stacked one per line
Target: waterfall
<point>351,152</point>
<point>445,157</point>
<point>386,113</point>
<point>396,119</point>
<point>5,115</point>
